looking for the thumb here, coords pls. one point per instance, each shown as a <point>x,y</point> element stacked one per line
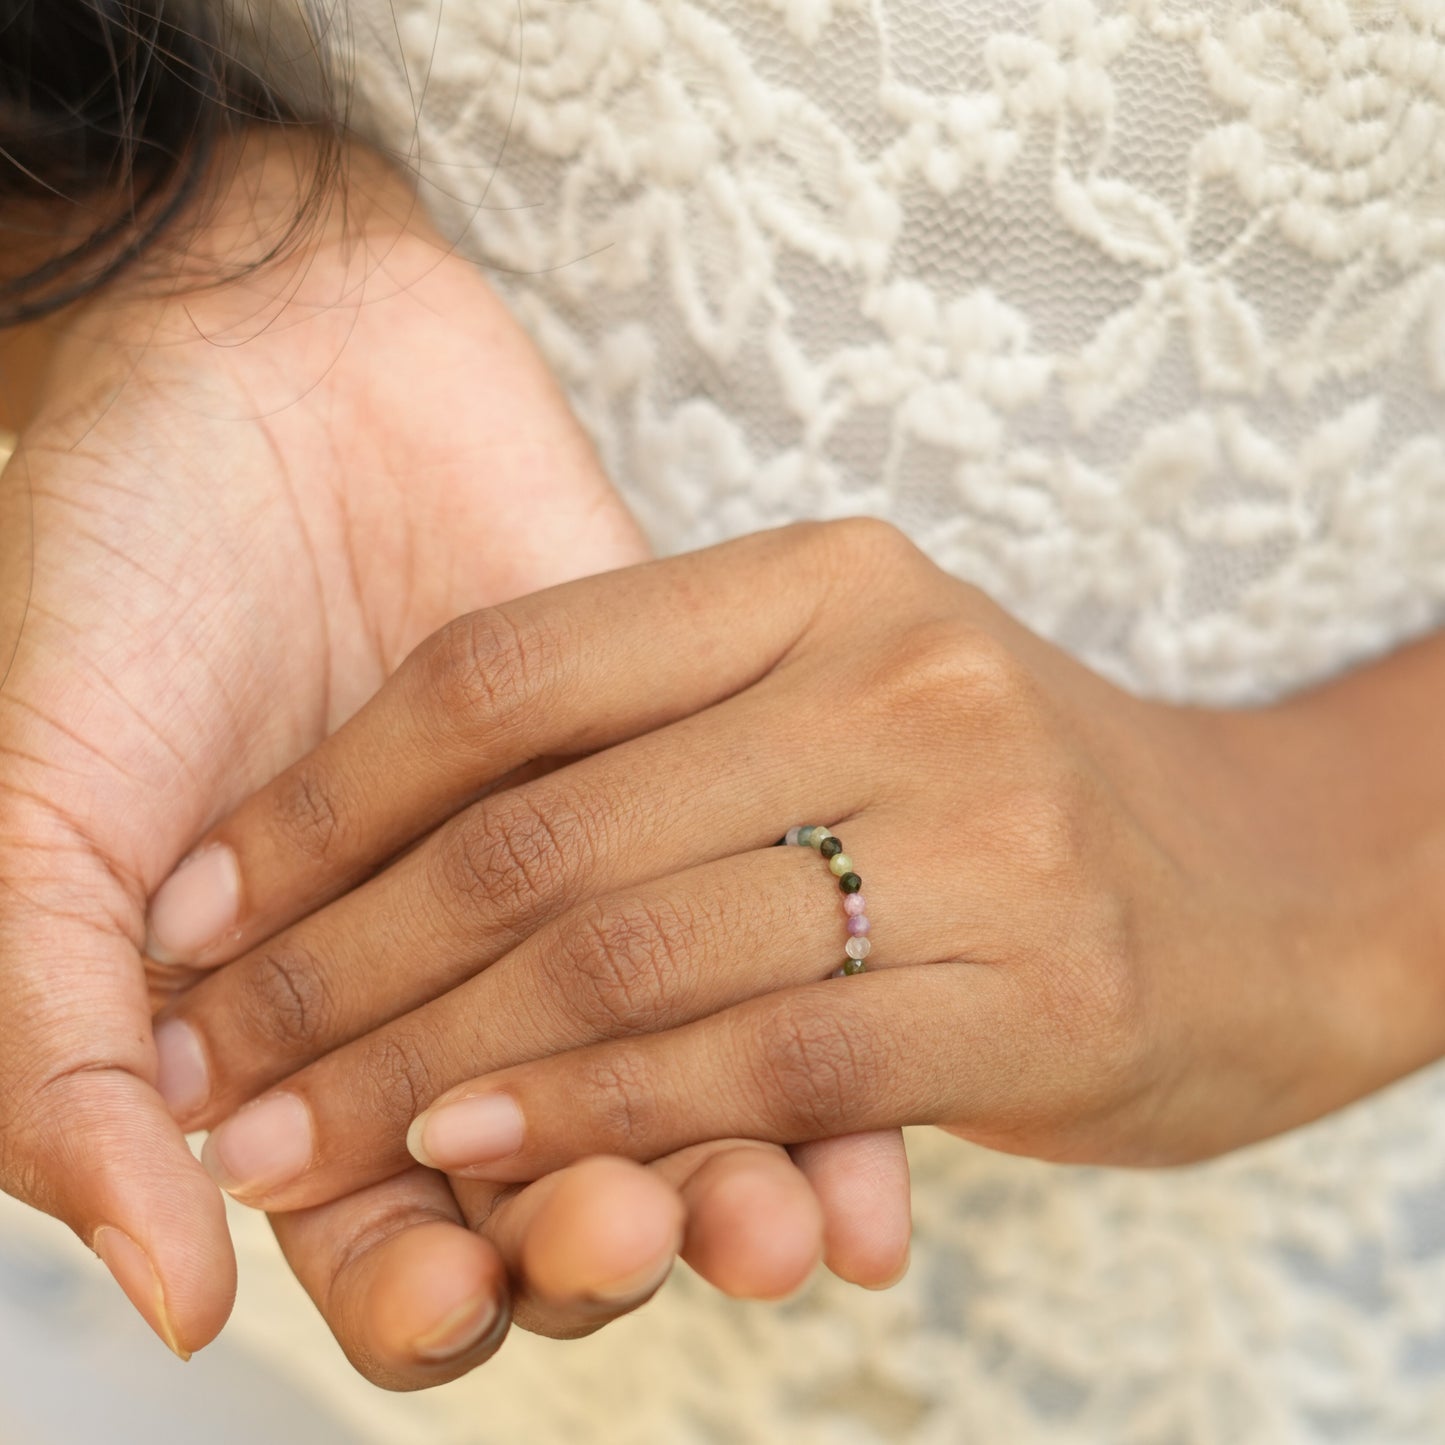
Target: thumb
<point>83,1134</point>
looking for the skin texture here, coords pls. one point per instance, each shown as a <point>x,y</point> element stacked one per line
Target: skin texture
<point>1105,930</point>
<point>233,512</point>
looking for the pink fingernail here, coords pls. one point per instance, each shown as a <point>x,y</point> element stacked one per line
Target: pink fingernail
<point>194,906</point>
<point>265,1145</point>
<point>480,1130</point>
<point>459,1332</point>
<point>897,1278</point>
<point>183,1078</point>
<point>132,1270</point>
<point>639,1286</point>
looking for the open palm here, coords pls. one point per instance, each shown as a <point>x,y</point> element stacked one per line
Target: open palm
<point>236,511</point>
<point>233,516</point>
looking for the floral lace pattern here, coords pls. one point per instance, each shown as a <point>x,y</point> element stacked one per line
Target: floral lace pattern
<point>1134,314</point>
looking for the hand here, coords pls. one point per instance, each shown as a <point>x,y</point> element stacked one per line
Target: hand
<point>234,514</point>
<point>1105,930</point>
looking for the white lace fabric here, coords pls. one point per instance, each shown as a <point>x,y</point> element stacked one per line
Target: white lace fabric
<point>1133,314</point>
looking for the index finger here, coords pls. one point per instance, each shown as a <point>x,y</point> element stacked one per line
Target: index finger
<point>561,673</point>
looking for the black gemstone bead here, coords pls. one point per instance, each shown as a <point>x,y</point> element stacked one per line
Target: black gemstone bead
<point>831,848</point>
<point>853,967</point>
<point>851,883</point>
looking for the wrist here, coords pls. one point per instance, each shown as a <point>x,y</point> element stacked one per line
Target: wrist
<point>1347,808</point>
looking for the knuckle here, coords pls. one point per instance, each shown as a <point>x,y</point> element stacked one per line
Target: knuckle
<point>1094,999</point>
<point>401,1076</point>
<point>809,1068</point>
<point>514,856</point>
<point>487,666</point>
<point>310,811</point>
<point>851,543</point>
<point>623,1098</point>
<point>620,962</point>
<point>950,669</point>
<point>863,552</point>
<point>1045,833</point>
<point>991,677</point>
<point>283,997</point>
<point>1116,992</point>
<point>476,666</point>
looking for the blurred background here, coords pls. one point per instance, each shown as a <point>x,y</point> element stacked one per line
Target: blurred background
<point>77,1365</point>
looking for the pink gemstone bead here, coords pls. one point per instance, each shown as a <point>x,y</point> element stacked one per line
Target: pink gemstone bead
<point>858,925</point>
<point>853,905</point>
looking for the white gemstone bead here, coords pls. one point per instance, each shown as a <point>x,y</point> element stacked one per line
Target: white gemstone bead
<point>858,948</point>
<point>792,839</point>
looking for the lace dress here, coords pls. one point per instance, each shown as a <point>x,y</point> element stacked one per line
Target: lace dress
<point>1132,313</point>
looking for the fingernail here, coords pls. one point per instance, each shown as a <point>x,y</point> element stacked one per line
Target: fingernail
<point>182,1077</point>
<point>136,1275</point>
<point>460,1332</point>
<point>194,906</point>
<point>265,1145</point>
<point>480,1130</point>
<point>897,1278</point>
<point>634,1286</point>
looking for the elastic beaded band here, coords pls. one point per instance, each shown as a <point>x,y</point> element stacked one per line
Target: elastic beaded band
<point>840,865</point>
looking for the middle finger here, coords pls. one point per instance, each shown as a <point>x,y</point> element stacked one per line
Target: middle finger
<point>477,888</point>
<point>679,950</point>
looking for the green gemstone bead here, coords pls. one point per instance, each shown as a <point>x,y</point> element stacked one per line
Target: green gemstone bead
<point>820,836</point>
<point>806,835</point>
<point>851,883</point>
<point>840,864</point>
<point>831,848</point>
<point>854,966</point>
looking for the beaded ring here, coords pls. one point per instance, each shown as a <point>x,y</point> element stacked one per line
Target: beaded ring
<point>840,865</point>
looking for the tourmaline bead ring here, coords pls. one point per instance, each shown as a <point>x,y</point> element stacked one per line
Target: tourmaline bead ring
<point>855,910</point>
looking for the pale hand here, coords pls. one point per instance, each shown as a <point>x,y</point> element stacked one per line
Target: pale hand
<point>234,514</point>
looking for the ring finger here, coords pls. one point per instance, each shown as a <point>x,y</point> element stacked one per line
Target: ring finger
<point>680,950</point>
<point>508,867</point>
